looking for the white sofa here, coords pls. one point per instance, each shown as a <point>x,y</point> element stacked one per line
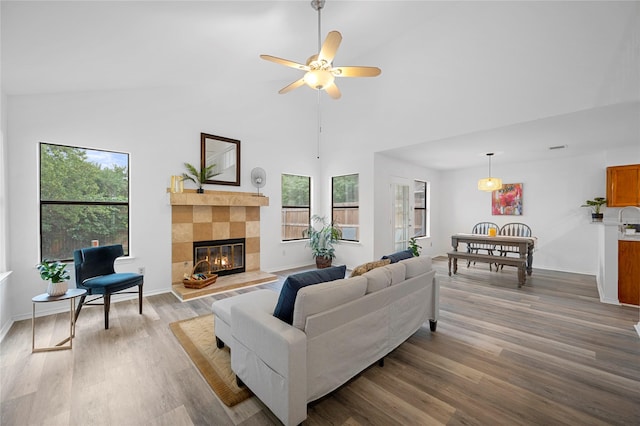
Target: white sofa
<point>339,329</point>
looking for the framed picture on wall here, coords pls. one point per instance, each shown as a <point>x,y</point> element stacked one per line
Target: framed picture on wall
<point>507,201</point>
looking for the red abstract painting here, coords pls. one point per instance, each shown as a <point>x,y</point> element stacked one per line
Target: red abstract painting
<point>508,200</point>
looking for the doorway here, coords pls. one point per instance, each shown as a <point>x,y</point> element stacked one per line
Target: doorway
<point>401,209</point>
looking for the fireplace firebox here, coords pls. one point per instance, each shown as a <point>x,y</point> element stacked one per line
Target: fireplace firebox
<point>222,257</point>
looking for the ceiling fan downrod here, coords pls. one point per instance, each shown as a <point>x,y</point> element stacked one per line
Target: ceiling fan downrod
<point>318,5</point>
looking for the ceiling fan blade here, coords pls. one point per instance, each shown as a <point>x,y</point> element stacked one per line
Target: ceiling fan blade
<point>333,91</point>
<point>330,46</point>
<point>285,62</point>
<point>292,86</point>
<point>356,71</point>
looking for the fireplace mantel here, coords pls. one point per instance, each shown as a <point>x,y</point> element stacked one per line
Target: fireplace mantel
<point>217,198</point>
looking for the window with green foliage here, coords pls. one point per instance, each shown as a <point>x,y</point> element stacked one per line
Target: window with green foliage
<point>420,209</point>
<point>296,206</point>
<point>345,206</point>
<point>84,196</point>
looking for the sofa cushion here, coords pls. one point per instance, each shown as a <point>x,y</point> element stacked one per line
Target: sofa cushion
<point>366,267</point>
<point>377,279</point>
<point>397,271</point>
<point>324,296</point>
<point>417,266</point>
<point>398,256</point>
<point>293,283</point>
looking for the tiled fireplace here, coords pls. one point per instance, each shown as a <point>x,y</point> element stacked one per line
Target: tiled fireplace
<point>214,215</point>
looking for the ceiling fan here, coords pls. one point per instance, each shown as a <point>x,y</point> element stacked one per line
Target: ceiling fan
<point>320,72</point>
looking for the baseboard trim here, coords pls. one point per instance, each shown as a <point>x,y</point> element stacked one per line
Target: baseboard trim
<point>63,306</point>
<point>6,329</point>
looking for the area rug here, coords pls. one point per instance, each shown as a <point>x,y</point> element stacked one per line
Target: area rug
<point>197,338</point>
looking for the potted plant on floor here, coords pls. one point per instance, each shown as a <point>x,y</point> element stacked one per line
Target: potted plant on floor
<point>199,177</point>
<point>595,205</point>
<point>414,247</point>
<point>56,273</point>
<point>321,240</point>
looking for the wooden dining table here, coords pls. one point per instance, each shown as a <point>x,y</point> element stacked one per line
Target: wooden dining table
<point>524,245</point>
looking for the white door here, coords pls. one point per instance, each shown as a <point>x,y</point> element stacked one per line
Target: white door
<point>401,213</point>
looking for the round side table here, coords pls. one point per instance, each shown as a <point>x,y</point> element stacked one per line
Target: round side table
<point>70,295</point>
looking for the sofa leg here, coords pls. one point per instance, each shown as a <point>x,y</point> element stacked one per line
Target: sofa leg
<point>432,325</point>
<point>219,343</point>
<point>381,362</point>
<point>239,382</point>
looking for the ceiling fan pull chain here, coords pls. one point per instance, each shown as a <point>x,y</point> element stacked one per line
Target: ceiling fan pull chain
<point>319,128</point>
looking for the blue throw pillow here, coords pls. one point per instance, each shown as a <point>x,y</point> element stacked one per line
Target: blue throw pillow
<point>293,283</point>
<point>401,255</point>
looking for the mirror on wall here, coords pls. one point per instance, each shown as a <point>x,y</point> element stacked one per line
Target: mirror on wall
<point>224,153</point>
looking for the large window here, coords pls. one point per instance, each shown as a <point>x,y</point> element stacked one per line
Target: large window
<point>345,206</point>
<point>420,210</point>
<point>296,206</point>
<point>84,196</point>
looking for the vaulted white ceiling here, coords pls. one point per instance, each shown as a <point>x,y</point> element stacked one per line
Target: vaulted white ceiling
<point>458,78</point>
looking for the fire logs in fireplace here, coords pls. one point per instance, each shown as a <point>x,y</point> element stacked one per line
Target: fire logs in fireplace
<point>224,257</point>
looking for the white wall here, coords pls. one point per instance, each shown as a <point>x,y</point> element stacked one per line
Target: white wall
<point>553,192</point>
<point>623,156</point>
<point>5,310</point>
<point>160,128</point>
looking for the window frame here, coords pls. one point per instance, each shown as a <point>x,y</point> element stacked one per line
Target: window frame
<point>44,203</point>
<point>425,209</point>
<point>302,237</point>
<point>334,207</point>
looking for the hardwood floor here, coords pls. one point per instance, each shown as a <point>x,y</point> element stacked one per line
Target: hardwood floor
<point>548,353</point>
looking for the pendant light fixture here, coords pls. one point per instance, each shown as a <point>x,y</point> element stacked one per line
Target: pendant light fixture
<point>490,184</point>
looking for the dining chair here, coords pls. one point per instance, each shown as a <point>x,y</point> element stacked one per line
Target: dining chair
<point>513,229</point>
<point>96,274</point>
<point>483,229</point>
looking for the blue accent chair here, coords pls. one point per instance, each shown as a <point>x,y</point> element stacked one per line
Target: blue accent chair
<point>95,273</point>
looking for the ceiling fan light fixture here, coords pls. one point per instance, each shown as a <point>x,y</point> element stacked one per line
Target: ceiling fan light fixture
<point>490,184</point>
<point>319,79</point>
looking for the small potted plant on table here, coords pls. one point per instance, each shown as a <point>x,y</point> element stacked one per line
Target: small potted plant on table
<point>56,273</point>
<point>321,241</point>
<point>595,205</point>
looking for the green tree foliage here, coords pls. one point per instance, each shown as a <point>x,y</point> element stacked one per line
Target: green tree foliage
<point>67,175</point>
<point>295,191</point>
<point>345,190</point>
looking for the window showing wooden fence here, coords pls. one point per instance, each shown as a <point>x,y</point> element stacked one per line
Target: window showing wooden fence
<point>294,221</point>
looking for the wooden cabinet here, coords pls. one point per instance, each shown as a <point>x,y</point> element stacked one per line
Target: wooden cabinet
<point>629,272</point>
<point>623,186</point>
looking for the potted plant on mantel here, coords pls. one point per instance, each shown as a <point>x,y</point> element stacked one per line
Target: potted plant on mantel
<point>595,205</point>
<point>56,273</point>
<point>199,177</point>
<point>321,241</point>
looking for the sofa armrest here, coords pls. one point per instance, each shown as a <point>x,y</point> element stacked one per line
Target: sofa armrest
<point>277,343</point>
<point>270,356</point>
